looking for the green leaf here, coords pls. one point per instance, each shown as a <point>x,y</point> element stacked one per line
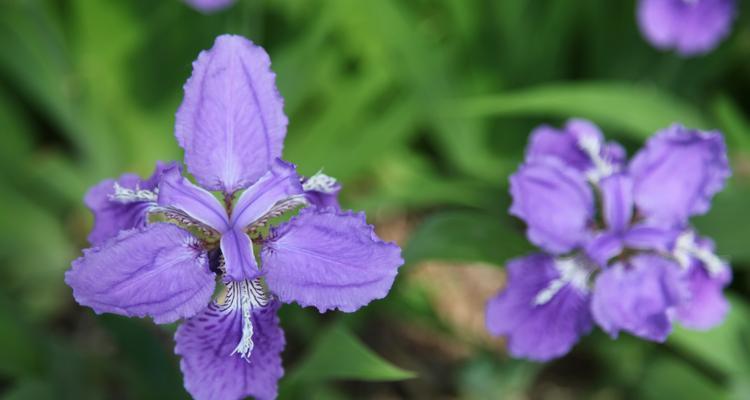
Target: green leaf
<point>728,222</point>
<point>731,121</point>
<point>22,352</point>
<point>151,367</point>
<point>408,179</point>
<point>724,347</point>
<point>667,378</point>
<point>30,389</point>
<point>636,109</point>
<point>466,236</point>
<point>338,354</point>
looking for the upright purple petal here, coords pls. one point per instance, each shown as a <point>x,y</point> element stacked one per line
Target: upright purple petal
<point>577,145</point>
<point>617,201</point>
<point>209,6</point>
<point>691,27</point>
<point>539,328</point>
<point>157,271</point>
<point>231,122</point>
<point>238,256</point>
<point>555,202</point>
<point>212,371</point>
<point>175,191</point>
<point>122,204</point>
<point>329,260</point>
<point>678,172</point>
<point>278,184</point>
<point>638,297</point>
<point>322,191</point>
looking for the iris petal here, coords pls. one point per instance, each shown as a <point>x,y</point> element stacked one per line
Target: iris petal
<point>155,271</point>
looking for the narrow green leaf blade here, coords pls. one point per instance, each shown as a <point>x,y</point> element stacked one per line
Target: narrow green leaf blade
<point>636,109</point>
<point>338,354</point>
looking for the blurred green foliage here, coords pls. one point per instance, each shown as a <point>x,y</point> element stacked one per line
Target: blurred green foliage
<point>422,109</point>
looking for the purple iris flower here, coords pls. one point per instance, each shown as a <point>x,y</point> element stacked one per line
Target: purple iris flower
<point>160,244</point>
<point>691,27</point>
<point>209,6</point>
<point>634,264</point>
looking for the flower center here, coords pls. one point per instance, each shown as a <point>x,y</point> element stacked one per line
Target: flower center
<point>246,296</point>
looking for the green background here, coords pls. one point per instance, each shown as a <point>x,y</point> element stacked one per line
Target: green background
<point>422,109</point>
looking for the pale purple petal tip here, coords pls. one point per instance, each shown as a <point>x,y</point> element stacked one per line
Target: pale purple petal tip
<point>538,332</point>
<point>112,214</point>
<point>209,6</point>
<point>329,260</point>
<point>690,27</point>
<point>555,202</point>
<point>211,371</point>
<point>677,173</point>
<point>231,122</point>
<point>638,297</point>
<point>154,271</point>
<point>322,191</point>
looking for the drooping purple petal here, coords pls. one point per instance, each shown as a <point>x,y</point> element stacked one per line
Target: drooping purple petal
<point>278,184</point>
<point>209,6</point>
<point>175,191</point>
<point>705,274</point>
<point>231,122</point>
<point>638,297</point>
<point>677,173</point>
<point>329,260</point>
<point>575,146</point>
<point>691,27</point>
<point>555,202</point>
<point>238,256</point>
<point>538,331</point>
<point>157,271</point>
<point>211,371</point>
<point>322,191</point>
<point>122,204</point>
<point>705,305</point>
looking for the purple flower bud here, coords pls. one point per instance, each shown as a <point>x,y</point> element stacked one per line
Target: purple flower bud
<point>691,27</point>
<point>209,6</point>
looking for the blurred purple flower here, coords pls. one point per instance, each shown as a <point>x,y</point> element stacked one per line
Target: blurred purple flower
<point>635,265</point>
<point>158,244</point>
<point>691,27</point>
<point>209,6</point>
